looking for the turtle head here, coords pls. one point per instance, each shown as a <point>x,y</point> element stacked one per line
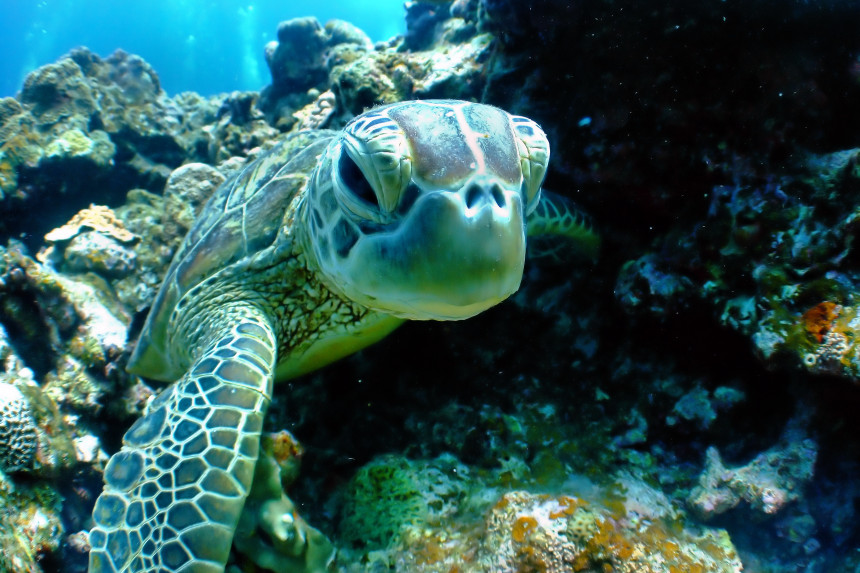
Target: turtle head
<point>418,209</point>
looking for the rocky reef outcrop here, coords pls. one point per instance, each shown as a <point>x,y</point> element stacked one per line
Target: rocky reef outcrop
<point>109,122</point>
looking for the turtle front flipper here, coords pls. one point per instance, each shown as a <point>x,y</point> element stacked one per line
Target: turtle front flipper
<point>174,492</point>
<point>557,229</point>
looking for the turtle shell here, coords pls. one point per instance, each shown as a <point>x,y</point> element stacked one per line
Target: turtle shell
<point>242,218</point>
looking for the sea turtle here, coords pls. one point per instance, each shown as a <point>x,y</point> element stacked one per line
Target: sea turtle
<point>322,246</point>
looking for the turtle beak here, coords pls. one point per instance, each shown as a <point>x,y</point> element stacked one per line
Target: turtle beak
<point>457,253</point>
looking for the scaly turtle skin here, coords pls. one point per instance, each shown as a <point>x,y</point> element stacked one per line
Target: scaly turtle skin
<point>416,210</point>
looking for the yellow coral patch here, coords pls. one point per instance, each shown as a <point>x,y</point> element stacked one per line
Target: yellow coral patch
<point>97,218</point>
<point>523,527</point>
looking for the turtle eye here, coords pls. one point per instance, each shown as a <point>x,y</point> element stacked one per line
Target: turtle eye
<point>533,148</point>
<point>354,180</point>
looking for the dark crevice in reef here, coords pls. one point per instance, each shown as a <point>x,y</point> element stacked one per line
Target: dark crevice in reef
<point>28,331</point>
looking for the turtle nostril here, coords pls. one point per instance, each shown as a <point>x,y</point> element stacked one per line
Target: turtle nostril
<point>477,194</point>
<point>498,196</point>
<point>473,196</point>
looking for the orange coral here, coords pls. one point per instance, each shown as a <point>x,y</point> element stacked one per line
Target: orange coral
<point>541,533</point>
<point>285,446</point>
<point>568,505</point>
<point>286,451</point>
<point>523,527</point>
<point>818,320</point>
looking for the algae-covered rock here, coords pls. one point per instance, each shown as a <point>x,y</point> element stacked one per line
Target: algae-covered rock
<point>8,107</point>
<point>491,530</point>
<point>365,82</point>
<point>565,533</point>
<point>296,59</point>
<point>74,143</point>
<point>271,534</point>
<point>449,64</point>
<point>60,92</point>
<point>77,315</point>
<point>340,32</point>
<point>101,254</point>
<point>239,127</point>
<point>160,221</point>
<point>393,493</point>
<point>767,483</point>
<point>422,19</point>
<point>94,128</point>
<point>33,527</point>
<point>185,194</point>
<point>646,284</point>
<point>388,75</point>
<point>701,407</point>
<point>37,454</point>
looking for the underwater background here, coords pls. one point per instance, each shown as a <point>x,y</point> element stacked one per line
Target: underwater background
<point>685,403</point>
<point>206,46</point>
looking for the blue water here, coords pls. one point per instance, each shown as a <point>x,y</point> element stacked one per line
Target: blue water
<point>207,46</point>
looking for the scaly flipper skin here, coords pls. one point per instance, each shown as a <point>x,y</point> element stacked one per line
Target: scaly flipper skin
<point>558,229</point>
<point>174,493</point>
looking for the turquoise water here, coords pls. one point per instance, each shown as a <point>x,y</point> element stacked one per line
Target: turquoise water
<point>207,46</point>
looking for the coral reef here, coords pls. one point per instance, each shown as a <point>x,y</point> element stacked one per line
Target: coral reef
<point>436,516</point>
<point>341,58</point>
<point>528,532</point>
<point>772,263</point>
<point>32,525</point>
<point>17,430</point>
<point>93,240</point>
<point>295,60</point>
<point>108,122</point>
<point>43,444</point>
